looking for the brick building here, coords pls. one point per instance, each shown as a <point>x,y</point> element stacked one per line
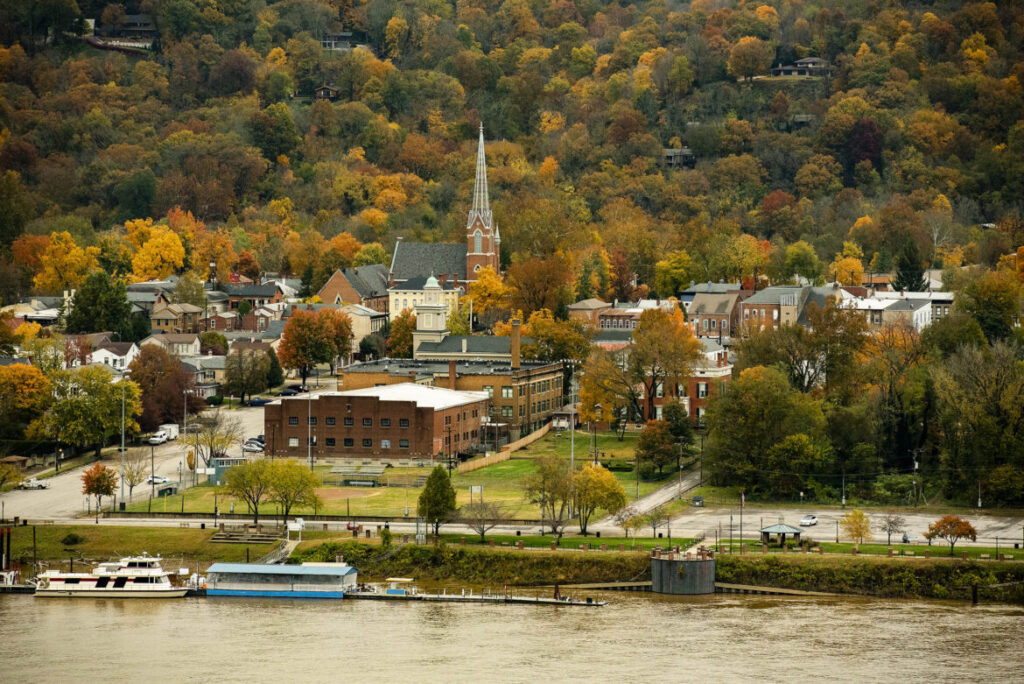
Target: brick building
<point>403,420</point>
<point>522,398</point>
<point>365,285</point>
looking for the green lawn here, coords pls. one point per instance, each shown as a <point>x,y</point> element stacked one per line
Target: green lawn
<point>101,542</point>
<point>503,483</point>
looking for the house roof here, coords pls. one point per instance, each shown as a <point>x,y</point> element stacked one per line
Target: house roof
<point>714,303</point>
<point>275,329</point>
<point>118,348</point>
<point>426,368</point>
<point>424,396</point>
<point>368,281</point>
<point>781,528</point>
<point>165,313</point>
<point>474,344</point>
<point>711,287</point>
<point>252,291</point>
<point>179,338</point>
<point>412,259</point>
<point>614,335</point>
<point>245,345</point>
<point>773,294</point>
<point>588,305</point>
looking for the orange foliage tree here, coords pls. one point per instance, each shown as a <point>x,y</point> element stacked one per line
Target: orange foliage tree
<point>952,528</point>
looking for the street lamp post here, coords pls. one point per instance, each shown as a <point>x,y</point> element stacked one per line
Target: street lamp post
<point>122,442</point>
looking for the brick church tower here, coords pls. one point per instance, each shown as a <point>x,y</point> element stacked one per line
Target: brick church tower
<point>482,237</point>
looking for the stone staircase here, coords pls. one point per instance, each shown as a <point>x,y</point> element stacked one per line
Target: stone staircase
<point>247,535</point>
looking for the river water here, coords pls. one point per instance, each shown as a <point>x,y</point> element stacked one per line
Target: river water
<point>637,637</point>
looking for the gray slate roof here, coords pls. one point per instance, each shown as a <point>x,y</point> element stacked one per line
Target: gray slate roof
<point>475,344</point>
<point>421,259</point>
<point>368,281</point>
<point>252,290</point>
<point>426,369</point>
<point>419,282</point>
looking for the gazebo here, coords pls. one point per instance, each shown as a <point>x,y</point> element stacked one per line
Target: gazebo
<point>780,530</point>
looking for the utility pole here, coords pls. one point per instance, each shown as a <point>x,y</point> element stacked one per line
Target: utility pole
<point>309,428</point>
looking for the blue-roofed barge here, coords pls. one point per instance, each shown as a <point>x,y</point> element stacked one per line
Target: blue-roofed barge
<point>309,580</point>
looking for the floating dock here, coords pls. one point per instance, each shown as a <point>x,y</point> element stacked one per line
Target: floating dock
<point>720,588</point>
<point>476,598</point>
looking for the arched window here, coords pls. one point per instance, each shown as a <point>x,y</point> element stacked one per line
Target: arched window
<point>478,241</point>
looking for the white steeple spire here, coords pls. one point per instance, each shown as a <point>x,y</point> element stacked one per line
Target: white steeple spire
<point>481,202</point>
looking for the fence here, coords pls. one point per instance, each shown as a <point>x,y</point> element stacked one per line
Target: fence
<point>488,460</point>
<point>528,439</point>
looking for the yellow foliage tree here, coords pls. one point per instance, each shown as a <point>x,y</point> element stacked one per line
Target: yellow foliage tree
<point>213,247</point>
<point>488,292</point>
<point>159,257</point>
<point>848,270</point>
<point>856,526</point>
<point>65,265</point>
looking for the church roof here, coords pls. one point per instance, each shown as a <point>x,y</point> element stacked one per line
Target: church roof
<point>423,259</point>
<point>369,281</point>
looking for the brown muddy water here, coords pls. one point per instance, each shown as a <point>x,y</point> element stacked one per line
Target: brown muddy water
<point>636,638</point>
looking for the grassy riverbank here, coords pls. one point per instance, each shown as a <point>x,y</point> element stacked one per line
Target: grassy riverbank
<point>936,578</point>
<point>103,542</point>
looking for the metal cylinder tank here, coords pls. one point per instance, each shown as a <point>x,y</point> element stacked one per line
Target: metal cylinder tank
<point>677,576</point>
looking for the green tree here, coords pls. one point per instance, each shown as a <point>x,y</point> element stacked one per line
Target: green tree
<point>437,500</point>
<point>189,290</point>
<point>251,482</point>
<point>15,206</point>
<point>803,261</point>
<point>673,273</point>
<point>275,375</point>
<point>759,411</point>
<point>291,485</point>
<point>274,131</point>
<point>595,487</point>
<point>909,270</point>
<point>245,373</point>
<point>370,253</point>
<point>86,408</point>
<point>947,334</point>
<point>993,300</point>
<point>794,462</point>
<point>100,304</point>
<point>213,342</point>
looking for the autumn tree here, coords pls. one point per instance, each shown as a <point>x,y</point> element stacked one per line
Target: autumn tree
<point>165,385</point>
<point>311,338</point>
<point>399,342</point>
<point>608,392</point>
<point>856,526</point>
<point>489,297</point>
<point>664,349</point>
<point>674,273</point>
<point>65,265</point>
<point>749,57</point>
<point>656,448</point>
<point>159,256</point>
<point>247,265</point>
<point>553,339</point>
<point>24,396</point>
<point>99,481</point>
<point>951,528</point>
<point>292,484</point>
<point>251,482</point>
<point>189,290</point>
<point>537,284</point>
<point>595,487</point>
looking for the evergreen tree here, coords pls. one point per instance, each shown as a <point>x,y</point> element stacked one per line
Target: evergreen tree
<point>275,375</point>
<point>306,290</point>
<point>909,271</point>
<point>437,500</point>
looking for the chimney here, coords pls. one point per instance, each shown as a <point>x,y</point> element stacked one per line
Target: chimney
<point>515,344</point>
<point>464,345</point>
<point>451,374</point>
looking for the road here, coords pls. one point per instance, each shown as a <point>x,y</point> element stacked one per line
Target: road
<point>64,499</point>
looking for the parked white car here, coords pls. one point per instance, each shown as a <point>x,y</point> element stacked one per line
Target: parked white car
<point>808,521</point>
<point>156,479</point>
<point>159,437</point>
<point>32,483</point>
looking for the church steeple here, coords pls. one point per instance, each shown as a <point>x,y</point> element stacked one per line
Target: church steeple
<point>481,202</point>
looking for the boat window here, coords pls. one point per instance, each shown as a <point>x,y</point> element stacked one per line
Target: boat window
<point>71,580</point>
<point>120,582</point>
<point>102,582</point>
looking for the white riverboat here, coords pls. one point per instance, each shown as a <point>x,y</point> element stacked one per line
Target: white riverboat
<point>132,577</point>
